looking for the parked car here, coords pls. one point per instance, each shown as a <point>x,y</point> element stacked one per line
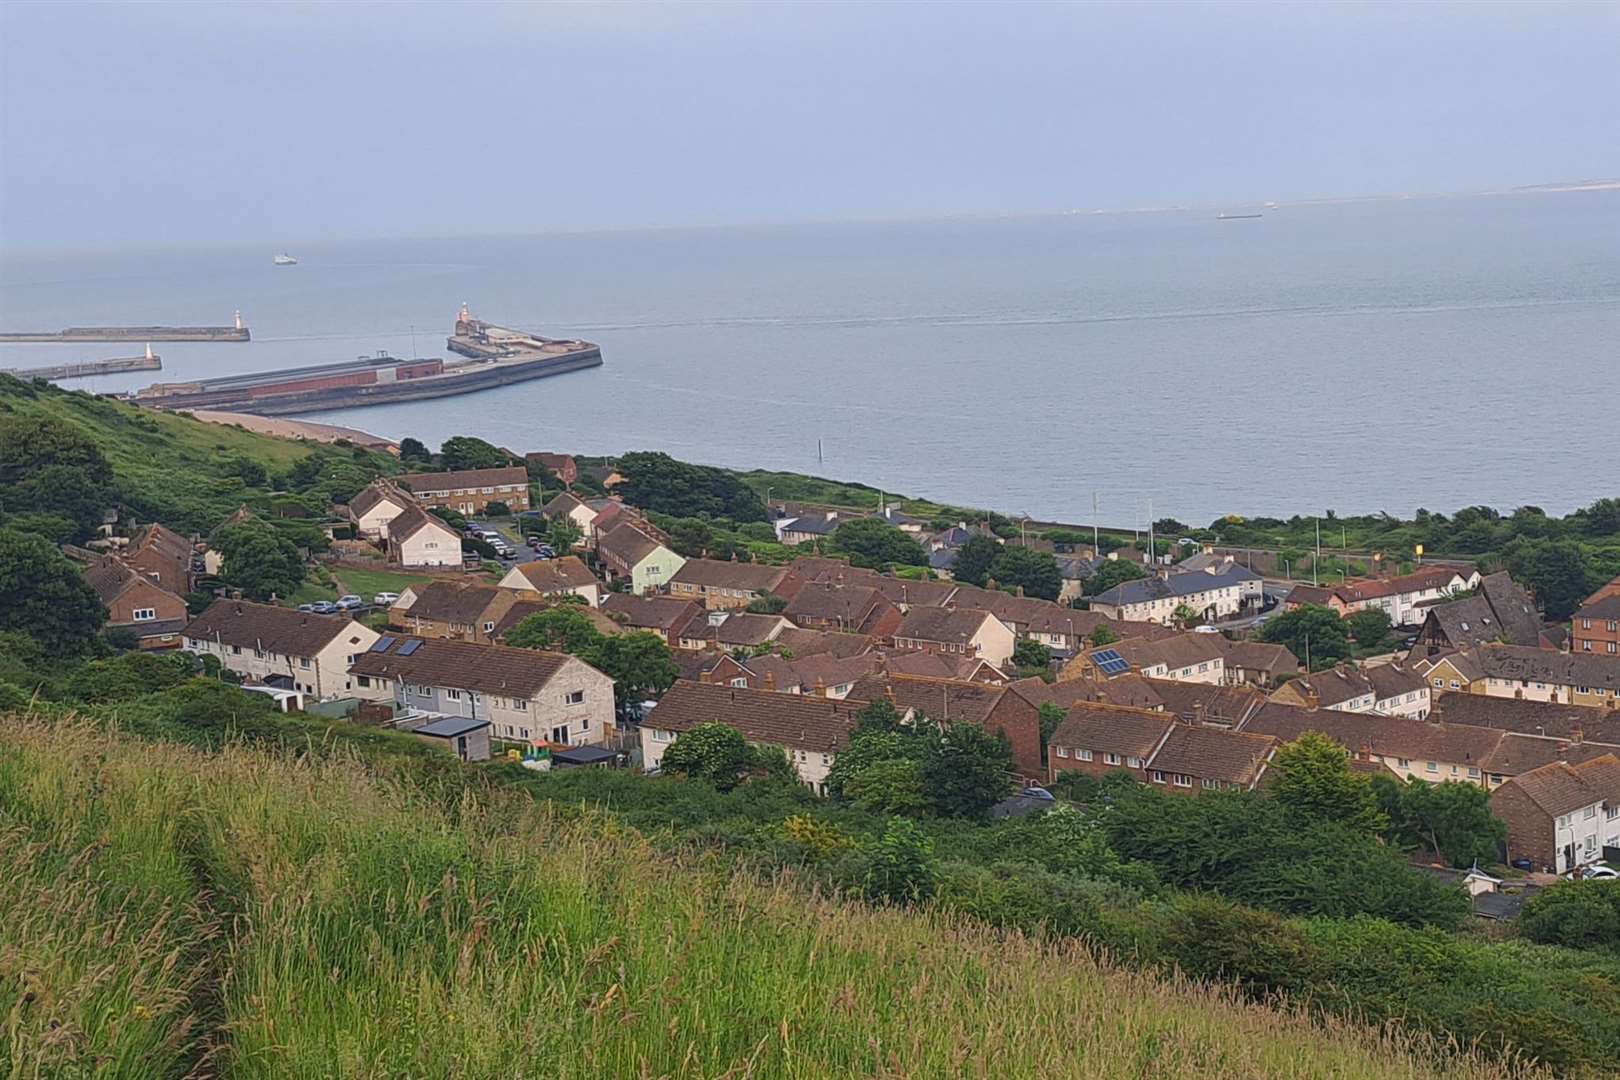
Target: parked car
<point>1599,873</point>
<point>350,602</point>
<point>306,607</point>
<point>1524,864</point>
<point>546,551</point>
<point>385,599</point>
<point>324,607</point>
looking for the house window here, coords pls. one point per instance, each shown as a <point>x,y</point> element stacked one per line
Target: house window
<point>1441,683</point>
<point>365,680</point>
<point>520,705</point>
<point>1157,776</point>
<point>1083,755</point>
<point>1589,813</point>
<point>740,681</point>
<point>661,736</point>
<point>145,614</point>
<point>1134,762</point>
<point>575,698</point>
<point>489,628</point>
<point>1473,774</point>
<point>1210,784</point>
<point>1183,780</point>
<point>1432,766</point>
<point>1404,763</point>
<point>303,662</point>
<point>1063,751</point>
<point>453,695</point>
<point>1563,821</point>
<point>1110,759</point>
<point>1454,684</point>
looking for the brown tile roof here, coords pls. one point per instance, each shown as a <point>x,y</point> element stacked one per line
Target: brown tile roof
<point>1528,717</point>
<point>796,721</point>
<point>950,626</point>
<point>161,544</point>
<point>1129,690</point>
<point>1229,705</point>
<point>662,613</point>
<point>1604,607</point>
<point>265,626</point>
<point>803,642</point>
<point>905,592</point>
<point>1389,736</point>
<point>1542,665</point>
<point>557,575</point>
<point>850,605</point>
<point>627,544</point>
<point>1430,577</point>
<point>465,478</point>
<point>1111,729</point>
<point>412,520</point>
<point>716,573</point>
<point>1175,652</point>
<point>808,673</point>
<point>945,701</point>
<point>109,577</point>
<point>374,493</point>
<point>938,665</point>
<point>465,665</point>
<point>1209,753</point>
<point>1517,754</point>
<point>1317,596</point>
<point>451,601</point>
<point>1332,687</point>
<point>746,628</point>
<point>1559,788</point>
<point>1393,680</point>
<point>562,503</point>
<point>1259,656</point>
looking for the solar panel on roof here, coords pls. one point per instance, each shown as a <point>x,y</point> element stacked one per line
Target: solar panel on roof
<point>409,647</point>
<point>1105,655</point>
<point>383,644</point>
<point>1114,667</point>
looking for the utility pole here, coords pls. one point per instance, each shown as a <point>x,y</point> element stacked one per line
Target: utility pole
<point>1153,552</point>
<point>1316,562</point>
<point>1096,541</point>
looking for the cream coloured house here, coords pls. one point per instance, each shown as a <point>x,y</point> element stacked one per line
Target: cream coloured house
<point>378,503</point>
<point>259,641</point>
<point>1212,593</point>
<point>956,631</point>
<point>417,538</point>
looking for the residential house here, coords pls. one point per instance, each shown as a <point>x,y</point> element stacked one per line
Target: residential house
<point>453,610</point>
<point>1256,663</point>
<point>811,730</point>
<point>823,675</point>
<point>377,504</point>
<point>1386,689</point>
<point>944,665</point>
<point>809,528</point>
<point>801,642</point>
<point>1547,719</point>
<point>1131,691</point>
<point>1595,628</point>
<point>1208,595</point>
<point>1157,749</point>
<point>160,555</point>
<point>1203,703</point>
<point>713,666</point>
<point>1251,591</point>
<point>417,538</point>
<point>574,508</point>
<point>720,585</point>
<point>1562,816</point>
<point>629,553</point>
<point>562,466</point>
<point>861,609</point>
<point>261,642</point>
<point>1575,678</point>
<point>136,602</point>
<point>469,491</point>
<point>666,616</point>
<point>962,631</point>
<point>1190,657</point>
<point>1410,748</point>
<point>1406,599</point>
<point>1501,610</point>
<point>526,695</point>
<point>565,576</point>
<point>730,631</point>
<point>948,701</point>
<point>529,604</point>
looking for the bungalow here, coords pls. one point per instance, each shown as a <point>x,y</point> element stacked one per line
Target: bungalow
<point>963,631</point>
<point>136,602</point>
<point>262,641</point>
<point>809,729</point>
<point>628,553</point>
<point>1562,816</point>
<point>1208,595</point>
<point>417,538</point>
<point>565,576</point>
<point>949,701</point>
<point>377,504</point>
<point>470,491</point>
<point>809,528</point>
<point>720,585</point>
<point>525,695</point>
<point>861,609</point>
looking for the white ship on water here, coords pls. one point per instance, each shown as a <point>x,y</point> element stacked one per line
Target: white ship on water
<point>284,260</point>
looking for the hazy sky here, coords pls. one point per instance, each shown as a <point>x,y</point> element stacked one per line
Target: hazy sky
<point>188,123</point>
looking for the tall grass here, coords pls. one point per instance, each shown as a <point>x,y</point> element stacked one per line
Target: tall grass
<point>168,911</point>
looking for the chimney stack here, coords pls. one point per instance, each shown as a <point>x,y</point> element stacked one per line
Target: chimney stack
<point>821,687</point>
<point>1576,735</point>
<point>1313,700</point>
<point>770,680</point>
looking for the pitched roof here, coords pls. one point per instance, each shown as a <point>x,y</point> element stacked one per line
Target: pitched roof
<point>798,721</point>
<point>810,672</point>
<point>1132,691</point>
<point>1429,577</point>
<point>1229,705</point>
<point>804,642</point>
<point>1542,665</point>
<point>938,665</point>
<point>1314,595</point>
<point>1175,652</point>
<point>1528,717</point>
<point>1501,610</point>
<point>109,577</point>
<point>951,626</point>
<point>1144,590</point>
<point>1391,736</point>
<point>717,573</point>
<point>160,542</point>
<point>1209,753</point>
<point>747,628</point>
<point>456,602</point>
<point>663,613</point>
<point>412,520</point>
<point>464,665</point>
<point>522,609</point>
<point>907,592</point>
<point>1260,656</point>
<point>1393,680</point>
<point>562,503</point>
<point>1518,753</point>
<point>378,491</point>
<point>273,629</point>
<point>1559,788</point>
<point>1332,687</point>
<point>626,543</point>
<point>556,575</point>
<point>849,605</point>
<point>464,478</point>
<point>1112,729</point>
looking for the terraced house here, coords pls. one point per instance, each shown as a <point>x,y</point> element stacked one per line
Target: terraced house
<point>1386,689</point>
<point>959,631</point>
<point>1184,657</point>
<point>469,491</point>
<point>565,576</point>
<point>1158,749</point>
<point>526,695</point>
<point>137,603</point>
<point>719,585</point>
<point>275,645</point>
<point>1210,594</point>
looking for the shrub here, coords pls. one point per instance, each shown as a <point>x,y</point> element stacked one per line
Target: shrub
<point>1578,914</point>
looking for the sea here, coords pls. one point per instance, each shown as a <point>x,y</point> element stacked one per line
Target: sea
<point>1380,355</point>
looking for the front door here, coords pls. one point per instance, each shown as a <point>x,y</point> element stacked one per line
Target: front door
<point>560,734</point>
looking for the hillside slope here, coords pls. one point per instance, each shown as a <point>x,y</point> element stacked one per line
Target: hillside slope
<point>170,912</point>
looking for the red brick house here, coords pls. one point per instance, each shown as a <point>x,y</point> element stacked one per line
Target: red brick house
<point>948,701</point>
<point>859,609</point>
<point>137,602</point>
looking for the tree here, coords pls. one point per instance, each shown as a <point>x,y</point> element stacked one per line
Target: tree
<point>1602,518</point>
<point>1029,653</point>
<point>900,865</point>
<point>562,533</point>
<point>973,559</point>
<point>710,751</point>
<point>1103,636</point>
<point>766,603</point>
<point>468,452</point>
<point>1036,572</point>
<point>659,483</point>
<point>967,770</point>
<point>1313,778</point>
<point>558,629</point>
<point>258,560</point>
<point>888,786</point>
<point>1574,914</point>
<point>44,596</point>
<point>414,450</point>
<point>1186,616</point>
<point>691,537</point>
<point>870,745</point>
<point>1310,631</point>
<point>875,544</point>
<point>640,664</point>
<point>1369,626</point>
<point>1051,715</point>
<point>1169,526</point>
<point>1113,572</point>
<point>1451,819</point>
<point>1554,569</point>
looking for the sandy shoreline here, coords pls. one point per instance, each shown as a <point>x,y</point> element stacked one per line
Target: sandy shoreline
<point>296,429</point>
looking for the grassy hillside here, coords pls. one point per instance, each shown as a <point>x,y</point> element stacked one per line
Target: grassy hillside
<point>172,912</point>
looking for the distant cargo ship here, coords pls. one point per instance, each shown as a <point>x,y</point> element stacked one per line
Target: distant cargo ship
<point>500,356</point>
<point>1236,217</point>
<point>284,260</point>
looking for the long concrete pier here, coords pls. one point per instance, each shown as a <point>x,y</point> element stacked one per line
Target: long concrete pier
<point>238,332</point>
<point>83,370</point>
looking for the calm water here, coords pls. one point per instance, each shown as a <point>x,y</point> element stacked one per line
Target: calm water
<point>1357,357</point>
